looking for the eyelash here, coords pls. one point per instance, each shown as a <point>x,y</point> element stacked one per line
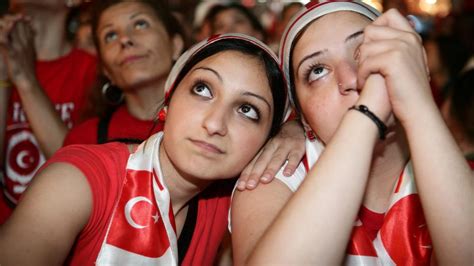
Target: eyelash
<point>197,83</point>
<point>310,68</point>
<point>256,120</point>
<point>201,82</point>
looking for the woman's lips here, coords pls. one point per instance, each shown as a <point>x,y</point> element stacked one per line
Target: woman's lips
<point>131,59</point>
<point>207,146</point>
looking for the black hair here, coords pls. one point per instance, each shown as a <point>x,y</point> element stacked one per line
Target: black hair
<point>215,10</point>
<point>274,74</point>
<point>462,102</point>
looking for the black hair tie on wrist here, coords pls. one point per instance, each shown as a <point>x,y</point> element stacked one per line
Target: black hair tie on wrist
<point>380,125</point>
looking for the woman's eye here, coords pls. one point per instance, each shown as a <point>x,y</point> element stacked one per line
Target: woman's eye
<point>110,37</point>
<point>141,24</point>
<point>249,111</point>
<point>202,90</point>
<point>316,73</point>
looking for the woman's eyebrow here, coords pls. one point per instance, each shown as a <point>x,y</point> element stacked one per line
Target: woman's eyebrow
<point>248,93</point>
<point>354,35</point>
<point>315,54</point>
<point>209,69</point>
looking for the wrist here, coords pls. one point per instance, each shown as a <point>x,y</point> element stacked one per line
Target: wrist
<point>381,127</point>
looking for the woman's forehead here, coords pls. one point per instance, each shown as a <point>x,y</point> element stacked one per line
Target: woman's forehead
<point>333,28</point>
<point>236,67</point>
<point>125,10</point>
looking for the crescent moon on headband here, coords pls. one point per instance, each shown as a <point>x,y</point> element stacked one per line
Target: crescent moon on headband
<point>20,159</point>
<point>128,209</point>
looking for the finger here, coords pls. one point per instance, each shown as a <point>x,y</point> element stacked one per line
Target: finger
<point>277,161</point>
<point>294,158</point>
<point>376,32</point>
<point>369,52</point>
<point>23,33</point>
<point>399,54</point>
<point>245,174</point>
<point>393,18</point>
<point>258,170</point>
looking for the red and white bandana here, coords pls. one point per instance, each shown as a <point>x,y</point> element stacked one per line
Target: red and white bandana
<point>142,230</point>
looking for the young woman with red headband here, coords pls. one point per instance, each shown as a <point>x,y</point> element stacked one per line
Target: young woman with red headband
<point>383,182</point>
<point>165,201</point>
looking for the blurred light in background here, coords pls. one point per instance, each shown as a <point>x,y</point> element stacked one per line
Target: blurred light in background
<point>435,7</point>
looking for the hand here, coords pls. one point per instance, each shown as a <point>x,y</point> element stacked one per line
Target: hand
<point>288,144</point>
<point>392,48</point>
<point>374,95</point>
<point>18,51</point>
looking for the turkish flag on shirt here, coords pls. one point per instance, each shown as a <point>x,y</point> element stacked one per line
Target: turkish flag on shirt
<point>137,224</point>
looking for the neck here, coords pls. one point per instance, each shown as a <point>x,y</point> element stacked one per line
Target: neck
<point>181,186</point>
<point>143,102</point>
<point>390,158</point>
<point>49,26</point>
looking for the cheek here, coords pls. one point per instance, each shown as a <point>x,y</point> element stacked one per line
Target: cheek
<point>246,144</point>
<point>323,113</point>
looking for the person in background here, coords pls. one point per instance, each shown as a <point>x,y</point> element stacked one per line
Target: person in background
<point>135,56</point>
<point>48,80</point>
<point>81,28</point>
<point>287,13</point>
<point>234,17</point>
<point>166,201</point>
<point>382,171</point>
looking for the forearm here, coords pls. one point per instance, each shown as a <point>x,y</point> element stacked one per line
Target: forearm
<point>318,219</point>
<point>4,97</point>
<point>445,185</point>
<point>44,120</point>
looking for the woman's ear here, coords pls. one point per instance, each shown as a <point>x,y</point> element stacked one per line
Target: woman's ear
<point>178,46</point>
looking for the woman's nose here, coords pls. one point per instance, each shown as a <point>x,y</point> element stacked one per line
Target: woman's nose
<point>347,79</point>
<point>215,122</point>
<point>126,41</point>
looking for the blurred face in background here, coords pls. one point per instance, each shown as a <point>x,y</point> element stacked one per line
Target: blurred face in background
<point>53,4</point>
<point>232,20</point>
<point>134,46</point>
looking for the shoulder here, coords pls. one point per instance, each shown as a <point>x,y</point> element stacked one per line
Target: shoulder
<point>83,133</point>
<point>92,160</point>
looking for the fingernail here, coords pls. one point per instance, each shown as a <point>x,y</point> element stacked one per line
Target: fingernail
<point>241,185</point>
<point>287,172</point>
<point>251,183</point>
<point>265,178</point>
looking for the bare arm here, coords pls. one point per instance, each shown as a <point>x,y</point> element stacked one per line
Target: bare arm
<point>252,213</point>
<point>17,47</point>
<point>48,219</point>
<point>5,91</point>
<point>443,178</point>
